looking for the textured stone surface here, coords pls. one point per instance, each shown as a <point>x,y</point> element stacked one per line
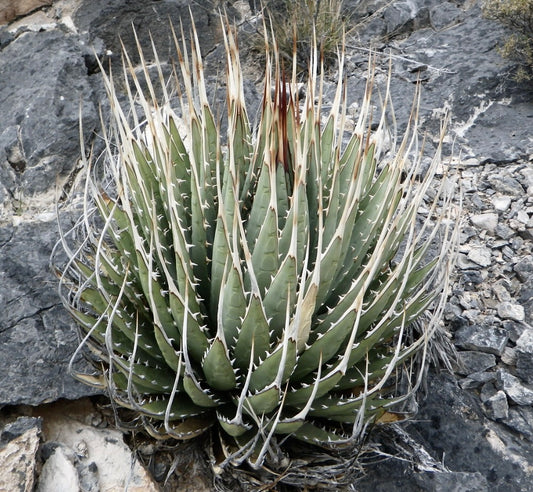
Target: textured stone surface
<point>105,450</point>
<point>58,473</point>
<point>37,336</point>
<point>39,135</point>
<point>496,407</point>
<point>44,81</point>
<point>452,426</point>
<point>11,9</point>
<point>19,442</point>
<point>524,356</point>
<point>78,447</point>
<point>482,338</point>
<point>524,268</point>
<point>480,256</point>
<point>111,23</point>
<point>509,310</point>
<point>488,221</point>
<point>472,361</point>
<point>515,390</point>
<point>520,419</point>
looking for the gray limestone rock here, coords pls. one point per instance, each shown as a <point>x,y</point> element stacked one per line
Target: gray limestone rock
<point>524,356</point>
<point>37,336</point>
<point>524,268</point>
<point>456,481</point>
<point>19,427</point>
<point>512,311</point>
<point>111,23</point>
<point>513,387</point>
<point>82,448</point>
<point>405,16</point>
<point>504,231</point>
<point>452,427</point>
<point>58,473</point>
<point>520,419</point>
<point>506,184</point>
<point>482,338</point>
<point>480,255</point>
<point>444,15</point>
<point>44,91</point>
<point>487,221</point>
<point>496,407</point>
<point>477,380</point>
<point>18,449</point>
<point>44,87</point>
<point>472,361</point>
<point>501,203</point>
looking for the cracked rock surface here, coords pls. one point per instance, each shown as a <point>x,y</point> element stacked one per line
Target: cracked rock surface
<point>474,430</point>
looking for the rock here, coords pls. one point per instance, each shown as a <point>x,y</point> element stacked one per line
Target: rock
<point>506,184</point>
<point>456,481</point>
<point>464,263</point>
<point>58,473</point>
<point>103,450</point>
<point>111,22</point>
<point>501,292</point>
<point>482,338</point>
<point>524,356</point>
<point>504,231</point>
<point>404,16</point>
<point>501,203</point>
<point>88,477</point>
<point>444,15</point>
<point>19,427</point>
<point>509,310</point>
<point>39,148</point>
<point>480,255</point>
<point>488,390</point>
<point>496,407</point>
<point>477,379</point>
<point>487,221</point>
<point>515,390</point>
<point>522,216</point>
<point>514,329</point>
<point>520,419</point>
<point>526,298</point>
<point>452,426</point>
<point>18,449</point>
<point>37,336</point>
<point>11,9</point>
<point>473,278</point>
<point>515,145</point>
<point>509,356</point>
<point>524,268</point>
<point>40,122</point>
<point>471,361</point>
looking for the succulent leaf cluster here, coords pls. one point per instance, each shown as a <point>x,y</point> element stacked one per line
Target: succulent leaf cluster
<point>266,283</point>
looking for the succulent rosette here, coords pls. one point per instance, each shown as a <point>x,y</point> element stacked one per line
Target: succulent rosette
<point>267,284</point>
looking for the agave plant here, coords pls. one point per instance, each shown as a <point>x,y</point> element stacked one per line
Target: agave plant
<point>267,284</point>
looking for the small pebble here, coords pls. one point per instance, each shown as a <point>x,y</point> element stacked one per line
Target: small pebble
<point>508,310</point>
<point>501,203</point>
<point>487,221</point>
<point>480,255</point>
